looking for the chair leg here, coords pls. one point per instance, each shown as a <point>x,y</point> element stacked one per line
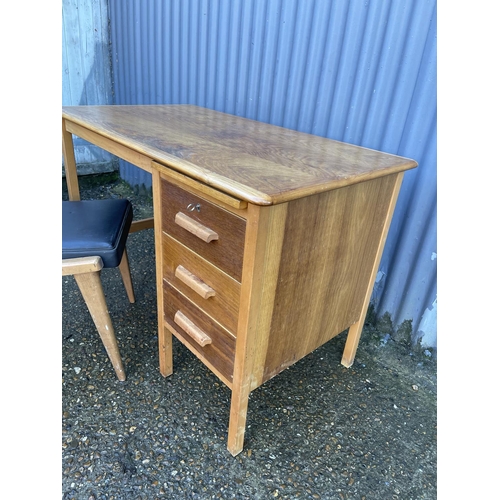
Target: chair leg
<point>91,288</point>
<point>126,276</point>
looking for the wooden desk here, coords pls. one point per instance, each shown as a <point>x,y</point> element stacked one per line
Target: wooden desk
<point>267,240</point>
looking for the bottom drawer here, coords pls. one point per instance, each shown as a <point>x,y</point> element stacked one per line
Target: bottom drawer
<point>182,317</point>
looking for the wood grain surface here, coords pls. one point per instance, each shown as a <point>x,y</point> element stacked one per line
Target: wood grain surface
<point>253,161</point>
<point>220,352</point>
<point>226,252</point>
<point>331,243</point>
<point>223,306</point>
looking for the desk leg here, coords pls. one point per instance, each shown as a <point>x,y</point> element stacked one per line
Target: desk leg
<point>70,164</point>
<point>264,240</point>
<point>355,330</point>
<point>237,419</point>
<point>164,336</point>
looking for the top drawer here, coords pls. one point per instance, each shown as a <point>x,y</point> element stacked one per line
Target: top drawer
<point>212,232</point>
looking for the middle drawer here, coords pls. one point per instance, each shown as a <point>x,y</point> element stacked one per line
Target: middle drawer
<point>207,286</point>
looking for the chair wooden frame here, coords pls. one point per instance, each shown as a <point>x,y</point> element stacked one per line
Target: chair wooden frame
<point>87,273</point>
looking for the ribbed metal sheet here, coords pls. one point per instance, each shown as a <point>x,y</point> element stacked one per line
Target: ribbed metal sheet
<point>358,71</point>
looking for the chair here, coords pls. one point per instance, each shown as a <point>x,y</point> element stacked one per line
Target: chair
<point>94,233</point>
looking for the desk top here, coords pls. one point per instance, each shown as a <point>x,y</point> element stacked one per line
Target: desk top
<point>254,161</point>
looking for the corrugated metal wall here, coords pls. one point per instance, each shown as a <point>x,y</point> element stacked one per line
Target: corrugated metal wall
<point>86,71</point>
<point>358,71</point>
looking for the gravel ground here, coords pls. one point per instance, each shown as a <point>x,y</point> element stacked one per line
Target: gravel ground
<point>317,430</point>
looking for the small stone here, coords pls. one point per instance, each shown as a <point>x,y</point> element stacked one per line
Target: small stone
<point>385,339</point>
<point>414,387</point>
<point>77,369</point>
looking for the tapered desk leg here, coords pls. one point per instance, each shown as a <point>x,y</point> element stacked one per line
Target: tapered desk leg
<point>351,345</point>
<point>70,164</point>
<point>355,330</point>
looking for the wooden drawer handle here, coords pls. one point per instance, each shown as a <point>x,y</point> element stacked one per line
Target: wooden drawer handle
<point>191,329</point>
<point>194,227</point>
<point>193,282</point>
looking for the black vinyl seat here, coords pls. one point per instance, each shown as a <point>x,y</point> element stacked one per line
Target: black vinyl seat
<point>94,234</point>
<point>96,227</point>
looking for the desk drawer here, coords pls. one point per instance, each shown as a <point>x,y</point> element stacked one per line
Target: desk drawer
<point>204,284</point>
<point>183,317</point>
<point>210,231</point>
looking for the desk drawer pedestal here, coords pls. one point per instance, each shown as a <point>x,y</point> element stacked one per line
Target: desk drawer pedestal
<point>274,284</point>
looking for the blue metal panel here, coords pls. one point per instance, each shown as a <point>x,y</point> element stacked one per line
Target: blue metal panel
<point>357,71</point>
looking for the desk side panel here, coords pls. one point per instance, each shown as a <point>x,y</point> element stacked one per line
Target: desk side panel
<point>330,246</point>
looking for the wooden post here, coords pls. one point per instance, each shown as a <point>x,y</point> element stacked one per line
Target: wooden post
<point>263,245</point>
<point>126,276</point>
<point>70,164</point>
<point>164,335</point>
